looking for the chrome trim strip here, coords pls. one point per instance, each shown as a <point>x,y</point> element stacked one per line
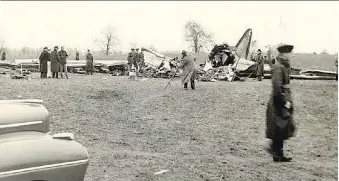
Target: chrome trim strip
<point>20,124</point>
<point>42,167</point>
<point>35,101</point>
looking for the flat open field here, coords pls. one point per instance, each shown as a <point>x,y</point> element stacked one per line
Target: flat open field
<point>133,129</point>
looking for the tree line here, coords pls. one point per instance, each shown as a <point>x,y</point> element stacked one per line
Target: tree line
<point>198,38</point>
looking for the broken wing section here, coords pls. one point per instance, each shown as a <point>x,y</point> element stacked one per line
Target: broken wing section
<point>243,45</point>
<point>242,52</point>
<point>155,59</point>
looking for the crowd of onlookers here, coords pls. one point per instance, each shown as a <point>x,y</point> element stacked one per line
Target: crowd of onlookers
<point>58,62</point>
<point>135,59</point>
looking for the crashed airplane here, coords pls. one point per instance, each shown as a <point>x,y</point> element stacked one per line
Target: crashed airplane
<point>226,62</point>
<point>230,63</point>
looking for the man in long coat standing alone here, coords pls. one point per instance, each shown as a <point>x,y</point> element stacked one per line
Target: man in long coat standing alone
<point>189,70</point>
<point>89,63</point>
<point>44,58</point>
<point>260,65</point>
<point>55,62</point>
<point>279,116</point>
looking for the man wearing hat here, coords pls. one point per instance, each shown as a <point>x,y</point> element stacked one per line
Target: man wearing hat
<point>44,58</point>
<point>260,65</point>
<point>279,114</point>
<point>63,56</point>
<point>89,63</point>
<point>55,62</point>
<point>130,58</point>
<point>189,70</point>
<point>141,59</point>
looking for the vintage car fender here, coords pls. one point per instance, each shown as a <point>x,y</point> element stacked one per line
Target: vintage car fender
<point>29,153</point>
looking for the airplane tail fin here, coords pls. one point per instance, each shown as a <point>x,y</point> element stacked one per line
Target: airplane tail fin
<point>243,45</point>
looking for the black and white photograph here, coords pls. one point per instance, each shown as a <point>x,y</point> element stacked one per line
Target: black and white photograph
<point>169,90</point>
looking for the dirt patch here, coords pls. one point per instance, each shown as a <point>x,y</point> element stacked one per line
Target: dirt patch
<point>106,95</point>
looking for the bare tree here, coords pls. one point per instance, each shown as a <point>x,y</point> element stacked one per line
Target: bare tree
<point>2,45</point>
<point>324,52</point>
<point>272,51</point>
<point>152,48</point>
<point>108,40</point>
<point>25,51</point>
<point>253,47</point>
<point>197,36</point>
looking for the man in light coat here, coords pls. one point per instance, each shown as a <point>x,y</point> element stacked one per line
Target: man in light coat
<point>189,70</point>
<point>63,56</point>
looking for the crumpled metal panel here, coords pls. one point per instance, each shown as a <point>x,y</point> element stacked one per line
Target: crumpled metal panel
<point>154,59</point>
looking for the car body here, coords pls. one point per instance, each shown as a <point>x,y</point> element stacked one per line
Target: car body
<point>29,152</point>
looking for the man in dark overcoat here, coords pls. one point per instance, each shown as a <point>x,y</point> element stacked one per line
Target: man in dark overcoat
<point>136,59</point>
<point>141,59</point>
<point>55,62</point>
<point>63,56</point>
<point>279,115</point>
<point>43,59</point>
<point>89,63</point>
<point>260,65</point>
<point>77,55</point>
<point>336,65</point>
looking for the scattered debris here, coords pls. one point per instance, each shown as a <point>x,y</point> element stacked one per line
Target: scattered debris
<point>150,72</point>
<point>225,73</point>
<point>161,172</point>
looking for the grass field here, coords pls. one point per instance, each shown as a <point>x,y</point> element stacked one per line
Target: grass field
<point>133,129</point>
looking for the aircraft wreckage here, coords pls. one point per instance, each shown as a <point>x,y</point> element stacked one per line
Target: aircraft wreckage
<point>224,63</point>
<point>227,63</point>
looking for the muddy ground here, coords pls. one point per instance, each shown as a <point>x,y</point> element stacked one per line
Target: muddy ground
<point>133,129</point>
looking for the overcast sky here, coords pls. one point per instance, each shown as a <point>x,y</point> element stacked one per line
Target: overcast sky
<point>310,26</point>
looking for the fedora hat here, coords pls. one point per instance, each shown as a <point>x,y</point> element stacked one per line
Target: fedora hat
<point>285,48</point>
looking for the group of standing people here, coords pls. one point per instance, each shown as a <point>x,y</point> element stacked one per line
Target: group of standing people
<point>135,59</point>
<point>57,61</point>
